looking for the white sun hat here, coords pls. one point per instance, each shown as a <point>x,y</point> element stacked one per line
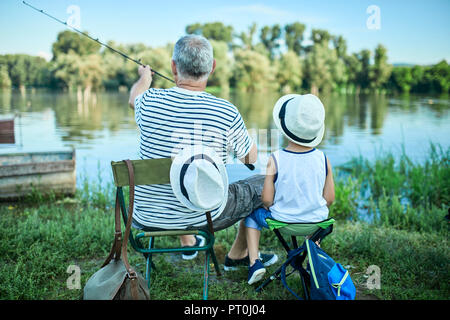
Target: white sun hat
<point>199,179</point>
<point>301,118</point>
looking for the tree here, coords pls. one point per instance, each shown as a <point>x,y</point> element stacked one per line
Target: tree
<point>81,73</point>
<point>5,81</point>
<point>221,76</point>
<point>421,79</point>
<point>320,36</point>
<point>195,28</point>
<point>381,70</point>
<point>290,72</point>
<point>402,79</point>
<point>364,76</point>
<point>293,35</point>
<point>213,31</point>
<point>17,70</point>
<point>340,45</point>
<point>324,70</point>
<point>37,71</point>
<point>270,37</point>
<point>247,37</point>
<point>436,79</point>
<point>252,71</point>
<point>159,59</point>
<point>353,70</point>
<point>71,42</point>
<point>338,70</point>
<point>115,69</point>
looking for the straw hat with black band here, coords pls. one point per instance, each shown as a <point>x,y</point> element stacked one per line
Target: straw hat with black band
<point>301,118</point>
<point>199,179</point>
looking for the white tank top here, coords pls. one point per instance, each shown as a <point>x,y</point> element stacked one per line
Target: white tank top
<point>299,184</point>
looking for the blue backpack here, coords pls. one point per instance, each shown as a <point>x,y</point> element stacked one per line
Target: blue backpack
<point>327,279</point>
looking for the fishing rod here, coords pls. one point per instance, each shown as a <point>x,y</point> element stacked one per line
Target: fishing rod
<point>249,166</point>
<point>94,39</point>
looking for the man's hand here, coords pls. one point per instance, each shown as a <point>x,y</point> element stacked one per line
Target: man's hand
<point>145,72</point>
<point>144,82</point>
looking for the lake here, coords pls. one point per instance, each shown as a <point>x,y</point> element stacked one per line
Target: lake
<point>102,129</point>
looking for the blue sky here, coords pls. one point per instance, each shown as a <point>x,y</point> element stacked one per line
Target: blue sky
<point>414,31</point>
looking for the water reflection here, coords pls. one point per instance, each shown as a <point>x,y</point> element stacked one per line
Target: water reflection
<point>103,127</point>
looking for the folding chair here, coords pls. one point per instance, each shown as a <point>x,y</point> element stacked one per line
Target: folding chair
<point>317,232</point>
<point>156,171</point>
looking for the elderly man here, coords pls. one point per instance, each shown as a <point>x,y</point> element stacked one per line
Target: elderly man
<point>183,115</point>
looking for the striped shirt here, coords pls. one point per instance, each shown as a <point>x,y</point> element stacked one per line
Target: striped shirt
<point>170,119</point>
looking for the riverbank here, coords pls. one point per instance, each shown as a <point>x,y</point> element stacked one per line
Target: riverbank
<point>389,213</point>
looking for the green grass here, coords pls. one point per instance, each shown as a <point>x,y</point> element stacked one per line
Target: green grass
<point>396,192</point>
<point>407,239</point>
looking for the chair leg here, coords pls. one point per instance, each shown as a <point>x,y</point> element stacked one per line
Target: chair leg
<point>216,263</point>
<point>304,285</point>
<point>148,271</point>
<point>150,264</point>
<point>206,276</point>
<point>272,277</point>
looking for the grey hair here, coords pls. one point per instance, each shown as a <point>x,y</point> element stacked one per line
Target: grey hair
<point>193,56</point>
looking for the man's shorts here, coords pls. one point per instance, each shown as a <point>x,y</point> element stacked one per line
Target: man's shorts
<point>244,197</point>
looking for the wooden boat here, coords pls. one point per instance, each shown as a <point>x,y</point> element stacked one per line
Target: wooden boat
<point>21,174</point>
<point>7,131</point>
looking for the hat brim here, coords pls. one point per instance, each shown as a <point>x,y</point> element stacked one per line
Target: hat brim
<point>181,158</point>
<point>276,119</point>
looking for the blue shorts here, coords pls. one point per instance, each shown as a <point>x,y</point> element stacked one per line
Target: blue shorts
<point>257,219</point>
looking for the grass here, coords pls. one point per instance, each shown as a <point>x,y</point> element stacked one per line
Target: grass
<point>407,238</point>
<point>396,192</point>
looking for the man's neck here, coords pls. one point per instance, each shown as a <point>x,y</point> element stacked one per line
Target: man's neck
<point>191,85</point>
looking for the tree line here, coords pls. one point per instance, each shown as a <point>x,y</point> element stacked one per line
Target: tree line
<point>269,58</point>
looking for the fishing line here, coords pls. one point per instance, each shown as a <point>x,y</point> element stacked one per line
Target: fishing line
<point>249,166</point>
<point>94,39</point>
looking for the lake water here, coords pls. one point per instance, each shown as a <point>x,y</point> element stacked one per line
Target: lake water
<point>103,129</point>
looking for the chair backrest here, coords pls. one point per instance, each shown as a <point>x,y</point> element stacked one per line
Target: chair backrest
<point>147,171</point>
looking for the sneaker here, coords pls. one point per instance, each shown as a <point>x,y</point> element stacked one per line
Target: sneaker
<point>268,259</point>
<point>256,272</point>
<point>189,255</point>
<point>232,265</point>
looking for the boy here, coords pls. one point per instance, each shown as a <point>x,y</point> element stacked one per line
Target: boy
<point>299,184</point>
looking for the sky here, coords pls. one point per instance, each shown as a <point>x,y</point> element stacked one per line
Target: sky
<point>413,31</point>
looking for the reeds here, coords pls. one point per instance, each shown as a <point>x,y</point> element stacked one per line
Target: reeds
<point>397,191</point>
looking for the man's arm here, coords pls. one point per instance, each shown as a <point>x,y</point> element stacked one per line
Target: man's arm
<point>251,156</point>
<point>144,82</point>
